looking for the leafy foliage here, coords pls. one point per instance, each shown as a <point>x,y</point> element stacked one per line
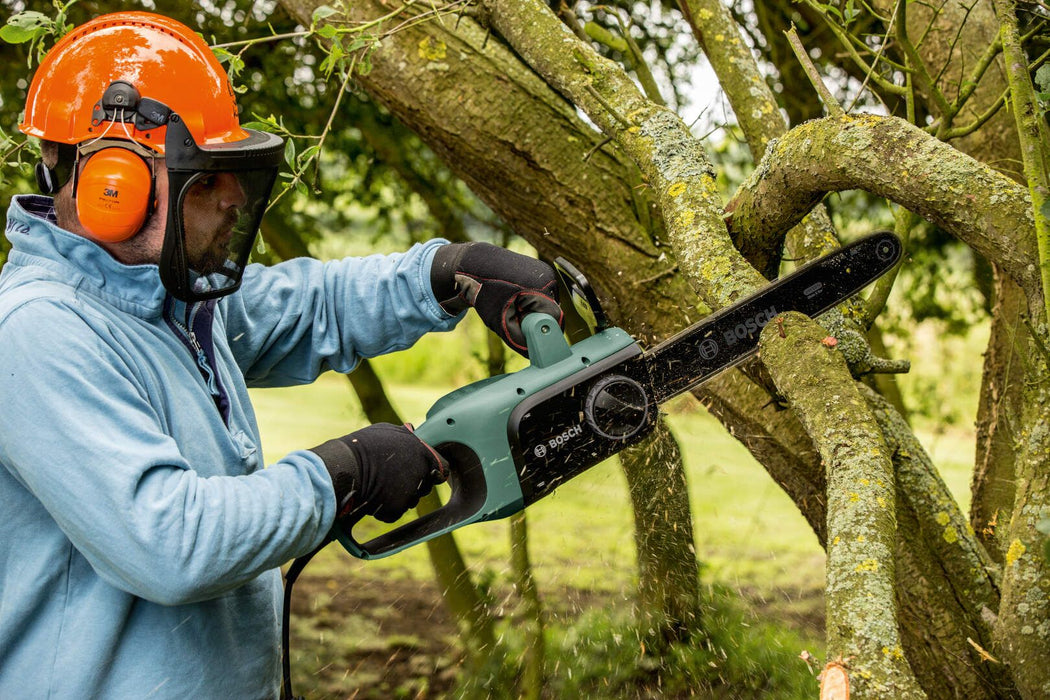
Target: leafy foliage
<point>37,29</point>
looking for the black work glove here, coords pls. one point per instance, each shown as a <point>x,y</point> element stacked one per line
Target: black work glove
<point>382,470</point>
<point>502,286</point>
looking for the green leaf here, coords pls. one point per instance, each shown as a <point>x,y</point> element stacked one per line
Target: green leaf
<point>16,35</point>
<point>30,20</point>
<point>307,155</point>
<point>323,12</point>
<point>365,66</point>
<point>289,153</point>
<point>851,12</point>
<point>258,126</point>
<point>268,123</point>
<point>332,60</point>
<point>327,31</point>
<point>359,43</point>
<point>1042,77</point>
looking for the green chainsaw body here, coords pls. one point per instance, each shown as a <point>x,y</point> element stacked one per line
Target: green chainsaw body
<point>469,426</point>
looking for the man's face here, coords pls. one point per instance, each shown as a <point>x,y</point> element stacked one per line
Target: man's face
<point>210,211</point>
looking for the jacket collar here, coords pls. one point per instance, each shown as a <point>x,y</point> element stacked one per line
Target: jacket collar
<point>36,240</point>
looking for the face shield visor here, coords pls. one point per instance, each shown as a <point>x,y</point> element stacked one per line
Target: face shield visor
<point>216,198</point>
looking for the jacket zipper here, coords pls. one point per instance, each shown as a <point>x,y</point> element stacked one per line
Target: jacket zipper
<point>198,349</point>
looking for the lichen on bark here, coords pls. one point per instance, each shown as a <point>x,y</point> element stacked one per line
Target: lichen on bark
<point>1023,629</point>
<point>862,624</point>
<point>761,121</point>
<point>671,160</point>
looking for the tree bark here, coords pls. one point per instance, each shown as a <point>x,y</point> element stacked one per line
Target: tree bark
<point>760,119</point>
<point>862,529</point>
<point>529,617</point>
<point>950,587</point>
<point>1023,630</point>
<point>951,38</point>
<point>891,158</point>
<point>955,36</point>
<point>667,568</point>
<point>999,419</point>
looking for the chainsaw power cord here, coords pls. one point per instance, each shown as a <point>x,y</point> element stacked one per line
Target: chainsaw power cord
<point>290,577</point>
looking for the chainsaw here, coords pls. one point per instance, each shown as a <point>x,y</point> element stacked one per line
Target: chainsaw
<point>512,439</point>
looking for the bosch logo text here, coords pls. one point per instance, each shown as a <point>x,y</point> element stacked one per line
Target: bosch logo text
<point>557,441</point>
<point>750,326</point>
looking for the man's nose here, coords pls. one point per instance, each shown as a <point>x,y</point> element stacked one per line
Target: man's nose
<point>231,194</point>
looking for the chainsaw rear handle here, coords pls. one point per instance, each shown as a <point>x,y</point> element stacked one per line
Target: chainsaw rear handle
<point>467,480</point>
<point>469,428</point>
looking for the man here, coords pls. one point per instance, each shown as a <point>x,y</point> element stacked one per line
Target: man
<point>142,535</point>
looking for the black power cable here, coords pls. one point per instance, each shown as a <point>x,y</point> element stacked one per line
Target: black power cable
<point>290,577</point>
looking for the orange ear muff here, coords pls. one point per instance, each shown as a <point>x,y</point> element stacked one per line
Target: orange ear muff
<point>114,194</point>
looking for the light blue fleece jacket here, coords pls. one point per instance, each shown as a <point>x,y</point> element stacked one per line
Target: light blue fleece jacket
<point>140,533</point>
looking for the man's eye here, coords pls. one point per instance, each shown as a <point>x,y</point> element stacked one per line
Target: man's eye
<point>205,182</point>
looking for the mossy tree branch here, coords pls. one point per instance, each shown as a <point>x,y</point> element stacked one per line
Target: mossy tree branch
<point>671,160</point>
<point>861,606</point>
<point>760,119</point>
<point>889,157</point>
<point>1033,133</point>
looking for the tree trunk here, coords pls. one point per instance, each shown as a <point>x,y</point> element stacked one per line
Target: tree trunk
<point>999,419</point>
<point>529,616</point>
<point>1023,630</point>
<point>667,567</point>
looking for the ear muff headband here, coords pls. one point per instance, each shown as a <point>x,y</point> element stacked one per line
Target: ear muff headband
<point>114,193</point>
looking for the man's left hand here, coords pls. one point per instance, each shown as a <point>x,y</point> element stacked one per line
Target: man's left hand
<point>502,286</point>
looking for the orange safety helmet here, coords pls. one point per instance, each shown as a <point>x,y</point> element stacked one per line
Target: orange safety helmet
<point>125,89</point>
<point>163,59</point>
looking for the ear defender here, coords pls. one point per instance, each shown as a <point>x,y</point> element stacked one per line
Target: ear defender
<point>46,179</point>
<point>114,194</point>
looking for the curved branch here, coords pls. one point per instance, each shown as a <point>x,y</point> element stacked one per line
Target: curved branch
<point>889,157</point>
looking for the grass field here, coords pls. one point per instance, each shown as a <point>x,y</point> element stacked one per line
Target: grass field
<point>749,536</point>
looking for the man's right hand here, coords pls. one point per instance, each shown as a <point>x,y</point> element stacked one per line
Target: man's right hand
<point>382,470</point>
